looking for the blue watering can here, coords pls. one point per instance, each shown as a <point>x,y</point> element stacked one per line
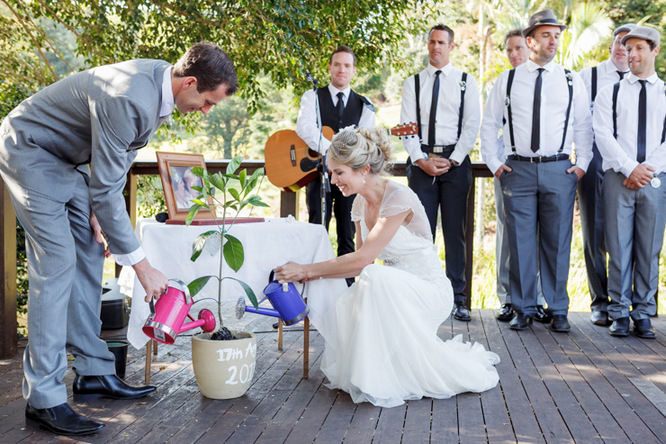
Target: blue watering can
<point>287,303</point>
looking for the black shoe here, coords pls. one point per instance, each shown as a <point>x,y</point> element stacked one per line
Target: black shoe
<point>542,315</point>
<point>619,327</point>
<point>107,386</point>
<point>520,322</point>
<point>643,329</point>
<point>505,313</point>
<point>599,317</point>
<point>560,324</point>
<point>461,313</point>
<point>61,419</point>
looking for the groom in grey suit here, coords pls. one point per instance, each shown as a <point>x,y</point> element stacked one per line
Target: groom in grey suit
<point>64,156</point>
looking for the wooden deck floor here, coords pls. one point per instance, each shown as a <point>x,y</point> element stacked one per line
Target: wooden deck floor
<point>585,386</point>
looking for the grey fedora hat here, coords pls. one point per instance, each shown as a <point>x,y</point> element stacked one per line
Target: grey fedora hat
<point>627,27</point>
<point>542,18</point>
<point>645,33</point>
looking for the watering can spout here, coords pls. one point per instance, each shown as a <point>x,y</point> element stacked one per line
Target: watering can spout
<point>262,311</point>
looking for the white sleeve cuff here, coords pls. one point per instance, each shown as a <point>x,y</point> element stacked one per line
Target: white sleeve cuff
<point>130,259</point>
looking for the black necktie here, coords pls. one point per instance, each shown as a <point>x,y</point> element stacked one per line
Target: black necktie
<point>433,109</point>
<point>536,113</point>
<point>340,107</point>
<point>642,117</point>
<point>621,74</point>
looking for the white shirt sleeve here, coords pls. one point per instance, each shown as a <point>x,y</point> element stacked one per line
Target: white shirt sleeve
<point>492,120</point>
<point>470,123</point>
<point>367,119</point>
<point>582,123</point>
<point>129,259</point>
<point>615,158</point>
<point>306,124</point>
<point>408,115</point>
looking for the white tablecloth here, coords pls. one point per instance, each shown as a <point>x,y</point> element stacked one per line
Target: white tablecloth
<point>267,245</point>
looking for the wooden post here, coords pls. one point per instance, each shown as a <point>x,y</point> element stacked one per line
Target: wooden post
<point>8,338</point>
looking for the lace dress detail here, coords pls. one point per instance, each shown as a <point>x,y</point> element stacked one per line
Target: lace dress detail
<point>381,333</point>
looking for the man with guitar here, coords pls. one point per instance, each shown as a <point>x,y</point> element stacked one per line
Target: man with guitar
<point>340,107</point>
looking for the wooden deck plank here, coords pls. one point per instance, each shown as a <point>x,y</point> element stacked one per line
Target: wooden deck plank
<point>553,388</point>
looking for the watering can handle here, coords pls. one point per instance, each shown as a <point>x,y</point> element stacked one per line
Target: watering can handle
<point>285,286</point>
<point>183,287</point>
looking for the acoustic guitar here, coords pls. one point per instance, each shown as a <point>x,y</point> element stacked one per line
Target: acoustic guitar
<point>291,164</point>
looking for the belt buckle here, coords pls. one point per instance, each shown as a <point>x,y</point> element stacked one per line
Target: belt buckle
<point>534,159</point>
<point>437,149</point>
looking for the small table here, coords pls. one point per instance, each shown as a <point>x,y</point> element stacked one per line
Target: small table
<point>267,245</point>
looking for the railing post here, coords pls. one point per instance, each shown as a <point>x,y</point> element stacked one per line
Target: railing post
<point>289,203</point>
<point>8,338</point>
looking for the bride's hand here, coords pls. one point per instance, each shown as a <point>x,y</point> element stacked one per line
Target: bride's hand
<point>290,272</point>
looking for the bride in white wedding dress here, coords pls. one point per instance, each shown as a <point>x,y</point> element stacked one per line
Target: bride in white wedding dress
<point>381,343</point>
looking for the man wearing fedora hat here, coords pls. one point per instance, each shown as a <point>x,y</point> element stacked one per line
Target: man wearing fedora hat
<point>630,129</point>
<point>543,109</point>
<point>590,201</point>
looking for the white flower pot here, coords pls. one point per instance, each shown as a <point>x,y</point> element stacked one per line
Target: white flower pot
<point>224,369</point>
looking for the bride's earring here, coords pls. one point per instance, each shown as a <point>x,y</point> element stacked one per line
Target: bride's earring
<point>363,178</point>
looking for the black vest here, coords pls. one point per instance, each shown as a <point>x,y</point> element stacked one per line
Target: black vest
<point>329,115</point>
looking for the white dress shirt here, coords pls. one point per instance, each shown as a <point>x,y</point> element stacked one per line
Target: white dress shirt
<point>606,75</point>
<point>620,155</point>
<point>448,107</point>
<point>306,124</point>
<point>554,102</point>
<point>166,108</point>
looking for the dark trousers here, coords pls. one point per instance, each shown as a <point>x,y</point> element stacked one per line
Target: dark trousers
<point>341,207</point>
<point>591,206</point>
<point>447,192</point>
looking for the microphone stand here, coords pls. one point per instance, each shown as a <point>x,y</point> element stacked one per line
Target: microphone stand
<point>323,171</point>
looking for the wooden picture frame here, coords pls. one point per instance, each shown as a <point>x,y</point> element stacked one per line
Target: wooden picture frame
<point>177,178</point>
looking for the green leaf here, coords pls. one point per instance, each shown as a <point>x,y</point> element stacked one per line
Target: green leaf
<point>233,252</point>
<point>234,193</point>
<point>241,176</point>
<point>218,181</point>
<point>198,171</point>
<point>199,244</point>
<point>248,291</point>
<point>234,164</point>
<point>198,284</point>
<point>190,216</point>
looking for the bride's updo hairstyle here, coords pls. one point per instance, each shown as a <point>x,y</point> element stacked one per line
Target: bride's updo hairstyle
<point>358,147</point>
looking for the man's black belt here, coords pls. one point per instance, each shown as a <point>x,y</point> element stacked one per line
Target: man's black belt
<point>539,159</point>
<point>440,150</point>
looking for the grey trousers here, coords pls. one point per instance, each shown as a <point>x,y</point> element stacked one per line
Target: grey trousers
<point>635,221</point>
<point>502,253</point>
<point>65,267</point>
<point>591,203</point>
<point>538,203</point>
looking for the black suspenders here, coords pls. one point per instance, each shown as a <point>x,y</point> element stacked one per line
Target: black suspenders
<point>507,101</point>
<point>417,92</point>
<point>594,84</point>
<point>616,90</point>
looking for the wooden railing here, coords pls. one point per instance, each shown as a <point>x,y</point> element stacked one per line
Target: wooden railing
<point>288,205</point>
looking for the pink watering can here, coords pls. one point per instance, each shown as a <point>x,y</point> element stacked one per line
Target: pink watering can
<point>286,300</point>
<point>168,315</point>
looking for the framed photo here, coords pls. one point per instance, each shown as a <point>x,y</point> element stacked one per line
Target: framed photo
<point>178,180</point>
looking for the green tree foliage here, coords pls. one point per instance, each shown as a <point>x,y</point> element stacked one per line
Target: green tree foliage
<point>281,38</point>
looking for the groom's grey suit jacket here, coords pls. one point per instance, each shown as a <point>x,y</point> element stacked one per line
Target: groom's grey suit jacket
<point>98,117</point>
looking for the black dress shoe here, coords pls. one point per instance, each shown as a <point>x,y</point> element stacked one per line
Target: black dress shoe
<point>643,329</point>
<point>520,322</point>
<point>619,327</point>
<point>505,313</point>
<point>107,386</point>
<point>542,315</point>
<point>560,324</point>
<point>599,317</point>
<point>62,420</point>
<point>461,313</point>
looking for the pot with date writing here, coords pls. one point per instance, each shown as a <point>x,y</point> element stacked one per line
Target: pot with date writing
<point>224,368</point>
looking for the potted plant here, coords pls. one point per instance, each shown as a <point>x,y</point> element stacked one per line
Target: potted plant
<point>223,370</point>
